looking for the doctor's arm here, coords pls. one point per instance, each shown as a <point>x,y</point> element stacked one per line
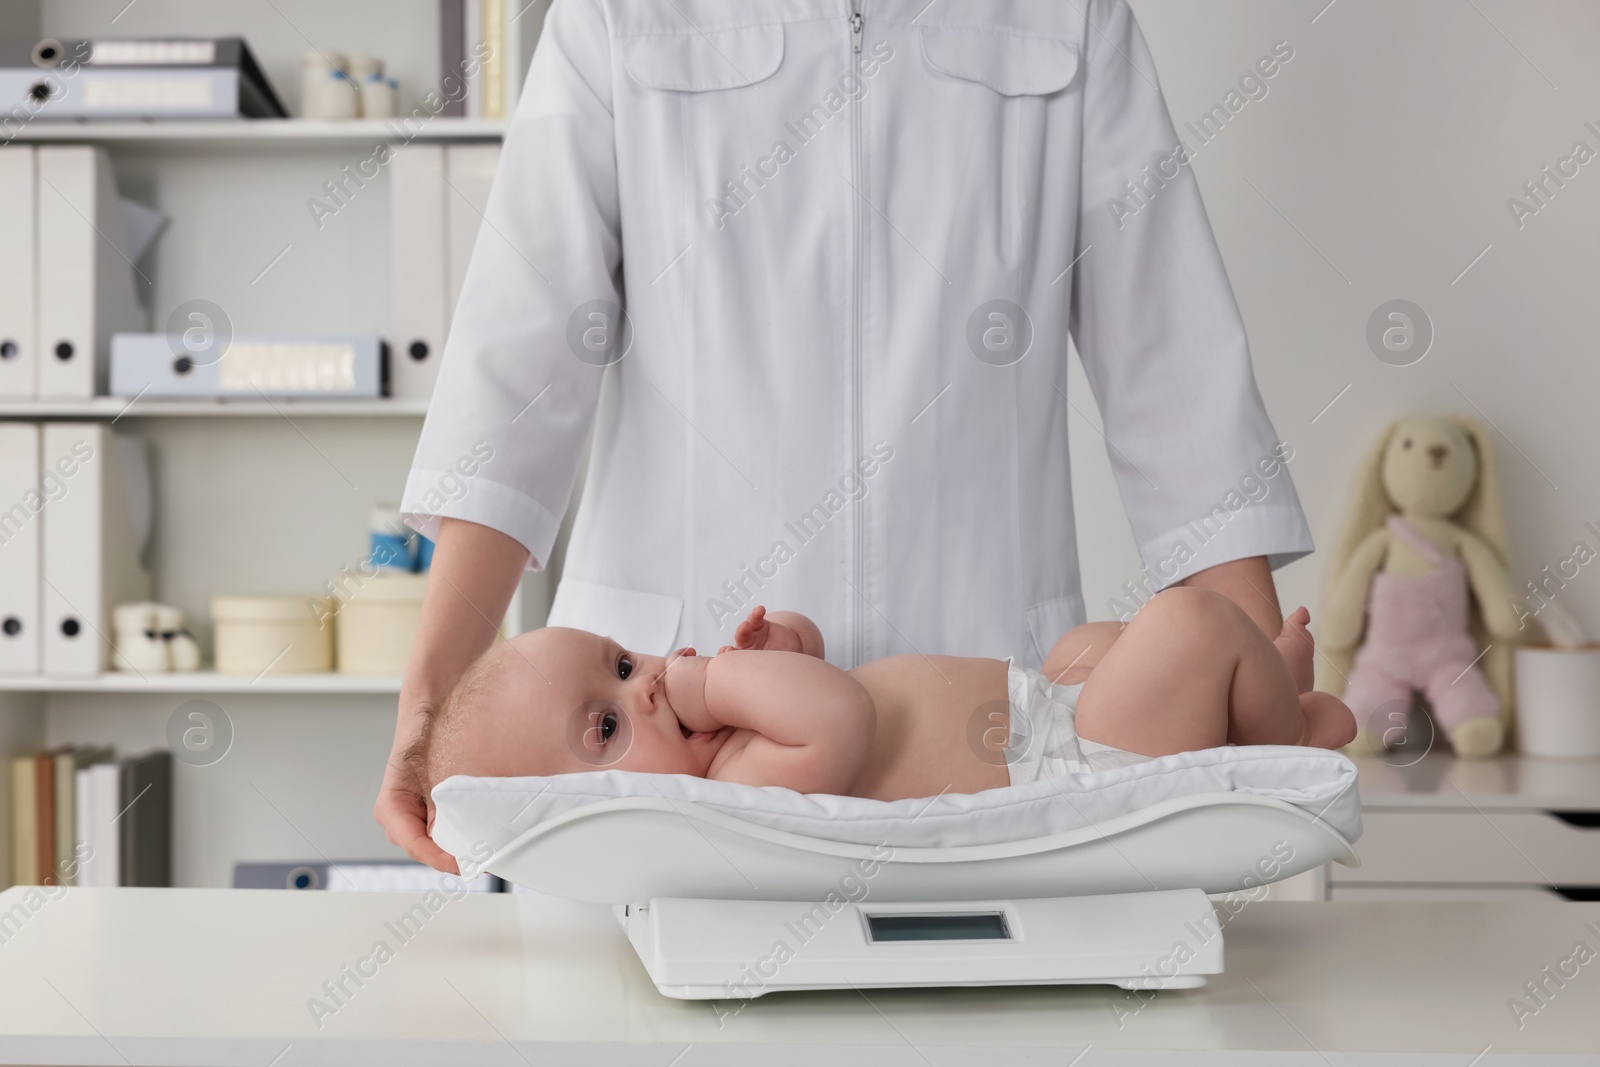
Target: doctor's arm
<point>1248,583</point>
<point>514,402</point>
<point>1201,470</point>
<point>474,572</point>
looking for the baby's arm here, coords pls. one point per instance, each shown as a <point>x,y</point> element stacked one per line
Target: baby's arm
<point>812,722</point>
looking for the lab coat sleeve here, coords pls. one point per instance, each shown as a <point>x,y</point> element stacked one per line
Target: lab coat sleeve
<point>513,405</point>
<point>1199,467</point>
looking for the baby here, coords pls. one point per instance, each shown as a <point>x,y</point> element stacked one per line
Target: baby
<point>1190,671</point>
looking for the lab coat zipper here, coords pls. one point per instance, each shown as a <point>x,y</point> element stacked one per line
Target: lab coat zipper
<point>857,614</point>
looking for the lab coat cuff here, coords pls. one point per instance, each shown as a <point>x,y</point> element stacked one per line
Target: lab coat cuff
<point>1278,532</point>
<point>433,495</point>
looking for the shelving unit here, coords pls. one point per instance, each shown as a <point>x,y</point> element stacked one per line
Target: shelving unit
<point>117,408</point>
<point>254,496</point>
<point>259,134</point>
<point>203,682</point>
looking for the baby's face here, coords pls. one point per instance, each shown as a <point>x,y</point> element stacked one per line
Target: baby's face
<point>566,700</point>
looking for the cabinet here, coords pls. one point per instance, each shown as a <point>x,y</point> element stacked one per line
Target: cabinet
<point>1501,829</point>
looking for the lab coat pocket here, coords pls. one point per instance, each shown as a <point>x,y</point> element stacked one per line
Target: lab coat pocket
<point>1000,84</point>
<point>638,621</point>
<point>700,61</point>
<point>1046,622</point>
<point>1010,63</point>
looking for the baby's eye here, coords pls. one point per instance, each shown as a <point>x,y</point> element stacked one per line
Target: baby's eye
<point>608,726</point>
<point>624,667</point>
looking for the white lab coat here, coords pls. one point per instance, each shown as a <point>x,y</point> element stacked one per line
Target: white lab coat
<point>807,239</point>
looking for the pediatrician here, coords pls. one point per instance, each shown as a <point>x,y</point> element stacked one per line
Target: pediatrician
<point>852,238</point>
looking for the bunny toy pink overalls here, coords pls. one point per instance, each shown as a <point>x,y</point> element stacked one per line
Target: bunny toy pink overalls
<point>1417,638</point>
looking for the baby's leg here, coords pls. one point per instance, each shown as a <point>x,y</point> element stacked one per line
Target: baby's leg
<point>1192,671</point>
<point>1078,651</point>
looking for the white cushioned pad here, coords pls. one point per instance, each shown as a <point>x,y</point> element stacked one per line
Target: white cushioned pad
<point>1319,781</point>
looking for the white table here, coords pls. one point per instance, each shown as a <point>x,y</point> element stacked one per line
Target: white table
<point>199,976</point>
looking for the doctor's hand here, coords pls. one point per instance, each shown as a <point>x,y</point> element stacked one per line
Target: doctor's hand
<point>402,812</point>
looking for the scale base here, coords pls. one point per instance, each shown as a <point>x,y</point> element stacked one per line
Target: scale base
<point>697,949</point>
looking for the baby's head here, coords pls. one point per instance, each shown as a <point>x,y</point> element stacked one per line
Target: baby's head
<point>556,701</point>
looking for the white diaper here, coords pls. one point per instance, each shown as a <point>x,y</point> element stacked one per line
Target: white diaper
<point>1044,741</point>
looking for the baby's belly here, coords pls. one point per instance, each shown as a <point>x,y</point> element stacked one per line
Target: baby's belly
<point>938,719</point>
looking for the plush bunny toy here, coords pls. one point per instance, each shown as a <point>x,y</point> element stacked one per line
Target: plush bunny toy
<point>1425,531</point>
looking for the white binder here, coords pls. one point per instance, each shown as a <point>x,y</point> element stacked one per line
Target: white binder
<point>19,547</point>
<point>87,286</point>
<point>418,313</point>
<point>90,543</point>
<point>469,172</point>
<point>18,352</point>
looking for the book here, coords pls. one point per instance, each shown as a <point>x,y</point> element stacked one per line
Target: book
<point>99,800</point>
<point>494,61</point>
<point>145,825</point>
<point>68,762</point>
<point>44,811</point>
<point>452,58</point>
<point>24,823</point>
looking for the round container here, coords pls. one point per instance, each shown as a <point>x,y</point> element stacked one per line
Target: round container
<point>380,98</point>
<point>273,634</point>
<point>326,91</point>
<point>1558,701</point>
<point>378,623</point>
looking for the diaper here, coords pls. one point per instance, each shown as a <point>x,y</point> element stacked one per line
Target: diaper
<point>1044,741</point>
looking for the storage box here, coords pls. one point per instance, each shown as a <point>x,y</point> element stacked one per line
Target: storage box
<point>272,634</point>
<point>378,623</point>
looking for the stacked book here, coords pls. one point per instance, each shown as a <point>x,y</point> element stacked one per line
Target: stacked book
<point>81,817</point>
<point>480,56</point>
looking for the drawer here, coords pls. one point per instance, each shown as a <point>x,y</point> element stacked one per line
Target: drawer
<point>1504,847</point>
<point>1441,893</point>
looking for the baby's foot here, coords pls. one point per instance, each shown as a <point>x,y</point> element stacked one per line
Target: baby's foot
<point>759,632</point>
<point>1329,721</point>
<point>1296,645</point>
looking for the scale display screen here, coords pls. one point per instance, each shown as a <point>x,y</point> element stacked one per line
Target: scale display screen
<point>948,926</point>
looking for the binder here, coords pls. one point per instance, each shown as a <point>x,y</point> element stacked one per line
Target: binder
<point>149,78</point>
<point>86,283</point>
<point>419,273</point>
<point>90,544</point>
<point>18,352</point>
<point>469,172</point>
<point>20,525</point>
<point>255,365</point>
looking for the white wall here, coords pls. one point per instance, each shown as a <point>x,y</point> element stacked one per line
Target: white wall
<point>1377,167</point>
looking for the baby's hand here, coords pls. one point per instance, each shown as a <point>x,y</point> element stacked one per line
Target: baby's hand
<point>683,684</point>
<point>759,632</point>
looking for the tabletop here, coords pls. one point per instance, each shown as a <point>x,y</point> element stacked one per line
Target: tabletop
<point>259,977</point>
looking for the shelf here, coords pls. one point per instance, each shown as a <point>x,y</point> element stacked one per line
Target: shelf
<point>260,133</point>
<point>115,407</point>
<point>203,682</point>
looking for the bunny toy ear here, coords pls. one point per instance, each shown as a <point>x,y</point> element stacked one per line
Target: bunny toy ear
<point>1481,513</point>
<point>1370,505</point>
